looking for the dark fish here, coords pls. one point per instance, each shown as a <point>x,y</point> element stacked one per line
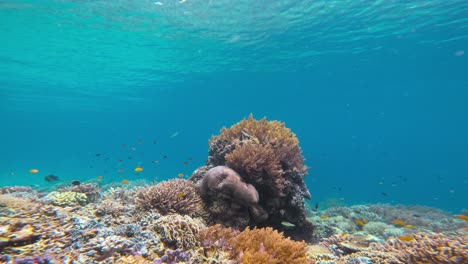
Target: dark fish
<point>97,155</point>
<point>75,183</point>
<point>384,194</point>
<point>51,178</point>
<point>154,142</point>
<point>165,157</point>
<point>130,158</point>
<point>185,162</point>
<point>315,208</point>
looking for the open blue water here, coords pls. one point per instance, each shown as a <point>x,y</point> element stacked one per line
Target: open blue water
<point>376,91</point>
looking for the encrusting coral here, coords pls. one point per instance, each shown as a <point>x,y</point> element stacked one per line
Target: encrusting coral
<point>68,198</point>
<point>266,155</point>
<point>173,196</point>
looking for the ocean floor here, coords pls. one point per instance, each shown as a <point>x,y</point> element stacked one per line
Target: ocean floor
<point>93,223</point>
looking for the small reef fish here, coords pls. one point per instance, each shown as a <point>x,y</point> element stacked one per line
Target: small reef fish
<point>180,195</point>
<point>406,238</point>
<point>399,223</point>
<point>75,183</point>
<point>120,170</point>
<point>98,154</point>
<point>462,217</point>
<point>175,134</point>
<point>138,169</point>
<point>180,175</point>
<point>324,216</point>
<point>125,182</point>
<point>360,222</point>
<point>287,224</point>
<point>343,234</point>
<point>33,171</point>
<point>409,226</point>
<point>51,178</point>
<point>100,177</point>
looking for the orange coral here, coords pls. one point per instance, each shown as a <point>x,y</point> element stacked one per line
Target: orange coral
<point>266,245</point>
<point>165,198</point>
<point>217,236</point>
<point>259,164</point>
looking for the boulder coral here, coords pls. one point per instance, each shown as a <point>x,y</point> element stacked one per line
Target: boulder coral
<point>260,178</point>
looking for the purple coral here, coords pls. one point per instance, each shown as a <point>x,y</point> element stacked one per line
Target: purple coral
<point>225,182</point>
<point>173,257</point>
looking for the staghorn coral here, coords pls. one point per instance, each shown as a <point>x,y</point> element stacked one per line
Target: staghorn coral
<point>173,196</point>
<point>267,156</point>
<point>427,248</point>
<point>266,245</point>
<point>178,231</point>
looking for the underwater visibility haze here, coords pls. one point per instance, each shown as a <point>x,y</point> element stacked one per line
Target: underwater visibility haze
<point>125,94</point>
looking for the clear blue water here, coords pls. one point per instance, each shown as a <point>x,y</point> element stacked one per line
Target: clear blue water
<point>376,91</point>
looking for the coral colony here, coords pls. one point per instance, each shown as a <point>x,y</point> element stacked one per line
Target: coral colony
<point>246,205</point>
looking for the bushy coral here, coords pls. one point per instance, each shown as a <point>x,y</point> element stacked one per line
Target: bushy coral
<point>266,245</point>
<point>217,236</point>
<point>179,231</point>
<point>267,156</point>
<point>173,196</point>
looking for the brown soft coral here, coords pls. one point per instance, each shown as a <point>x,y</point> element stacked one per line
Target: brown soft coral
<point>266,245</point>
<point>173,196</point>
<point>428,248</point>
<point>259,164</point>
<point>267,156</point>
<point>282,140</point>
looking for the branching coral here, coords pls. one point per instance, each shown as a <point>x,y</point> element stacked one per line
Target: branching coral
<point>179,231</point>
<point>267,246</point>
<point>428,248</point>
<point>173,196</point>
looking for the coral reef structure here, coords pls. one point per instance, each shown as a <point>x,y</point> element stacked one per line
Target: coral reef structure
<point>170,197</point>
<point>266,155</point>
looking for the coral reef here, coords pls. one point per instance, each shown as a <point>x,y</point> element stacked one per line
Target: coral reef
<point>68,198</point>
<point>222,185</point>
<point>34,230</point>
<point>178,231</point>
<point>266,155</point>
<point>173,196</point>
<point>427,248</point>
<point>266,245</point>
<point>91,190</point>
<point>173,257</point>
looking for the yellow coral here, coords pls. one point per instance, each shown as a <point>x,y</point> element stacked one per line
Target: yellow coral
<point>266,245</point>
<point>68,198</point>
